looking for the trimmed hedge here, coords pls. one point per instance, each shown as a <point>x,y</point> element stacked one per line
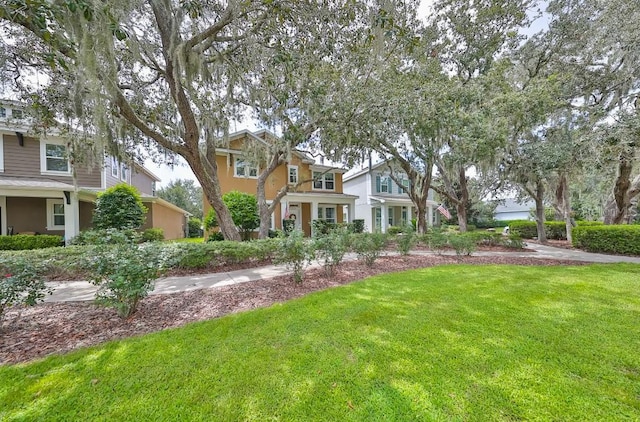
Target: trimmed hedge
<point>555,230</point>
<point>618,239</point>
<point>20,242</point>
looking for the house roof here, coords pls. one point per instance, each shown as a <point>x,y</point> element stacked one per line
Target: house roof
<point>26,183</point>
<point>512,205</point>
<point>364,170</point>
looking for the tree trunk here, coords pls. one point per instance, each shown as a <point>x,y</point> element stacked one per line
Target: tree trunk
<point>461,206</point>
<point>619,203</point>
<point>539,199</point>
<point>563,186</point>
<point>264,209</point>
<point>558,205</point>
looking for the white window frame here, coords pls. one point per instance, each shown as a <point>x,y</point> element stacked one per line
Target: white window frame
<point>50,214</point>
<point>115,167</point>
<point>404,216</point>
<point>43,158</point>
<point>322,215</point>
<point>377,218</point>
<point>2,152</point>
<point>248,168</point>
<point>123,172</point>
<point>289,168</point>
<point>322,178</point>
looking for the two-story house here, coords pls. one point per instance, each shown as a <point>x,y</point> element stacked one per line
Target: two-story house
<point>37,192</point>
<point>315,190</point>
<point>381,202</point>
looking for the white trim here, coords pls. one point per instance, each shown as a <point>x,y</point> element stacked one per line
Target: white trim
<point>115,167</point>
<point>43,158</point>
<point>3,214</point>
<point>325,207</point>
<point>51,225</point>
<point>1,152</point>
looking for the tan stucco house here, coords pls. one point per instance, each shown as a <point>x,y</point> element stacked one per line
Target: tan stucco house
<point>315,189</point>
<point>37,192</point>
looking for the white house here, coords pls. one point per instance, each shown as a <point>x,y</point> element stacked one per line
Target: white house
<point>511,209</point>
<point>381,202</point>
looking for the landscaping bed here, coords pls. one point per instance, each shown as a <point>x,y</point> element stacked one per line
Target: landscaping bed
<point>50,328</point>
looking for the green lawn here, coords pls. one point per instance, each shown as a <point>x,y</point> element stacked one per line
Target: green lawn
<point>445,343</point>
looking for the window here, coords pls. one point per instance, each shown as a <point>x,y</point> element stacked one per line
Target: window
<point>324,181</point>
<point>16,114</point>
<point>383,184</point>
<point>390,215</point>
<point>114,167</point>
<point>404,187</point>
<point>378,218</point>
<point>293,175</point>
<point>327,213</point>
<point>404,216</point>
<point>3,112</point>
<point>244,169</point>
<point>123,172</point>
<point>55,214</point>
<point>54,157</point>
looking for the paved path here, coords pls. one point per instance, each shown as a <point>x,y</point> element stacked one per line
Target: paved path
<point>82,290</point>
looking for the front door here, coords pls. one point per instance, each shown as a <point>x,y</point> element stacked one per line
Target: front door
<point>295,214</point>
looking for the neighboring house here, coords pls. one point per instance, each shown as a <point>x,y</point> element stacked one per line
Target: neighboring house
<point>37,192</point>
<point>315,189</point>
<point>381,202</point>
<point>510,209</point>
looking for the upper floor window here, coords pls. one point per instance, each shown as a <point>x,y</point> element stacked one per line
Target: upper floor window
<point>383,184</point>
<point>324,181</point>
<point>404,187</point>
<point>3,112</point>
<point>114,167</point>
<point>244,169</point>
<point>123,172</point>
<point>293,174</point>
<point>54,157</point>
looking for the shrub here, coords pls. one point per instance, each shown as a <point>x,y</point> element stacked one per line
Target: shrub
<point>512,241</point>
<point>620,239</point>
<point>106,237</point>
<point>153,235</point>
<point>491,224</point>
<point>368,246</point>
<point>244,212</point>
<point>24,242</point>
<point>585,223</point>
<point>524,228</point>
<point>463,243</point>
<point>295,252</point>
<point>21,283</point>
<point>125,274</point>
<point>357,226</point>
<point>331,248</point>
<point>555,230</point>
<point>119,207</point>
<point>406,240</point>
<point>393,230</point>
<point>215,237</point>
<point>288,226</point>
<point>194,227</point>
<point>436,240</point>
<point>322,227</point>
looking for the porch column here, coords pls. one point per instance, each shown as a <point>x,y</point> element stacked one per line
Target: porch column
<point>384,210</point>
<point>430,215</point>
<point>283,210</point>
<point>314,214</point>
<point>352,210</point>
<point>71,217</point>
<point>3,214</point>
<point>409,213</point>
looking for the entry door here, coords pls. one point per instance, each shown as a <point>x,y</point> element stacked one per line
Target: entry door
<point>294,210</point>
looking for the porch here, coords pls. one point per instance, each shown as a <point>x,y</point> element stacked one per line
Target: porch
<point>304,208</point>
<point>388,211</point>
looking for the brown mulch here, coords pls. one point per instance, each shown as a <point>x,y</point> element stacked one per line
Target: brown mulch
<point>52,328</point>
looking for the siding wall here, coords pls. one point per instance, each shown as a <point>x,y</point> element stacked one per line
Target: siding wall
<point>24,161</point>
<point>142,181</point>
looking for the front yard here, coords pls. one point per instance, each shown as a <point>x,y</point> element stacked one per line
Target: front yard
<point>447,343</point>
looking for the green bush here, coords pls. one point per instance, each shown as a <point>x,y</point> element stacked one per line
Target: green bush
<point>153,235</point>
<point>436,239</point>
<point>21,242</point>
<point>244,213</point>
<point>368,246</point>
<point>513,241</point>
<point>556,230</point>
<point>357,226</point>
<point>215,237</point>
<point>21,283</point>
<point>331,248</point>
<point>524,228</point>
<point>394,230</point>
<point>463,243</point>
<point>125,274</point>
<point>203,255</point>
<point>619,239</point>
<point>295,252</point>
<point>322,227</point>
<point>585,223</point>
<point>288,226</point>
<point>194,226</point>
<point>406,239</point>
<point>106,237</point>
<point>119,207</point>
<point>491,224</point>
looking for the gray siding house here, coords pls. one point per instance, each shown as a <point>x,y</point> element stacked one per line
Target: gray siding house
<point>37,192</point>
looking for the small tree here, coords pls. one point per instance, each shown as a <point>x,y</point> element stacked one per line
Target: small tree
<point>21,283</point>
<point>119,207</point>
<point>244,212</point>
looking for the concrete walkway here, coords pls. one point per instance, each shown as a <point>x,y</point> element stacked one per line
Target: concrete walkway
<point>82,290</point>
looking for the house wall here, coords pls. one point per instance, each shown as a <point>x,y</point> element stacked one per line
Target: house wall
<point>86,215</point>
<point>160,217</point>
<point>28,215</point>
<point>142,181</point>
<point>24,161</point>
<point>516,215</point>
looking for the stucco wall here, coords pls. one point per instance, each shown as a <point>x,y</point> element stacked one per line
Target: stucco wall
<point>160,217</point>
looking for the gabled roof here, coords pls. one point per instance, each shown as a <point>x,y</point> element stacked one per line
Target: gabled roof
<point>365,170</point>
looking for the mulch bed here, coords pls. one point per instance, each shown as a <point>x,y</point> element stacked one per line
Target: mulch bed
<point>52,328</point>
